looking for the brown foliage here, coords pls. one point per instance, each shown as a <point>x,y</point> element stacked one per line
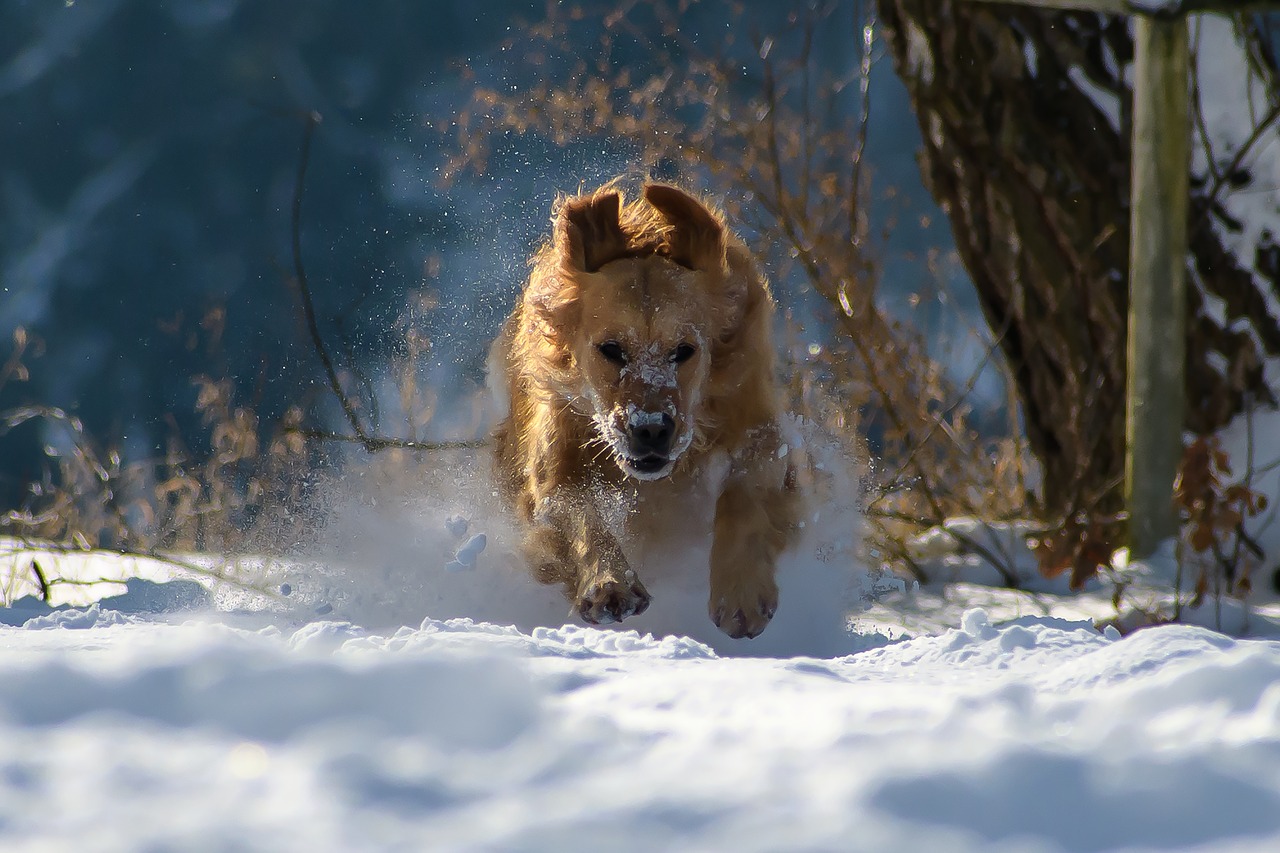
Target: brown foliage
<point>240,493</point>
<point>1081,545</point>
<point>1214,510</point>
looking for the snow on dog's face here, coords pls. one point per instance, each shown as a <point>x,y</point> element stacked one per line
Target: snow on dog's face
<point>642,350</point>
<point>639,302</point>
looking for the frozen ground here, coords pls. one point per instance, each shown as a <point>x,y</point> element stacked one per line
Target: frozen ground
<point>180,714</point>
<point>125,732</point>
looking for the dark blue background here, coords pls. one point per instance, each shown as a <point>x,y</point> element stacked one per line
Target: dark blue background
<point>147,158</point>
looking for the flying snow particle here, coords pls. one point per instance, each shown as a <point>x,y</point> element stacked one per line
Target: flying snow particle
<point>457,525</point>
<point>467,553</point>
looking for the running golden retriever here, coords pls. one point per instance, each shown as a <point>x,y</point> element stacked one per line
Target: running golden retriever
<point>639,362</point>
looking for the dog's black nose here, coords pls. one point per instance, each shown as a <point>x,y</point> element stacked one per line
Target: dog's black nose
<point>652,436</point>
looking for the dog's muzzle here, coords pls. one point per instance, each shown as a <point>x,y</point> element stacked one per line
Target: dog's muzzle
<point>649,437</point>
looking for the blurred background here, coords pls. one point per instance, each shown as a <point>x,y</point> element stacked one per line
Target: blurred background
<point>148,163</point>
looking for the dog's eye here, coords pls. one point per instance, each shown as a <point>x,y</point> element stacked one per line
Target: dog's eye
<point>682,353</point>
<point>612,350</point>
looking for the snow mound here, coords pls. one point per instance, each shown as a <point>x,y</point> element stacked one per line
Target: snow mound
<point>571,641</point>
<point>92,616</point>
<point>256,688</point>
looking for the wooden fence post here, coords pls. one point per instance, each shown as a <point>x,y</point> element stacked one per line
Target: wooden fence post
<point>1156,390</point>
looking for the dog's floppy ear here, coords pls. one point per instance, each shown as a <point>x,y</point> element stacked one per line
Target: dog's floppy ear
<point>587,232</point>
<point>696,236</point>
<point>586,235</point>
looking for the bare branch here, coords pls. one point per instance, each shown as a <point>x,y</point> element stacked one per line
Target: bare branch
<point>864,120</point>
<point>41,580</point>
<point>304,289</point>
<point>374,443</point>
<point>1220,179</point>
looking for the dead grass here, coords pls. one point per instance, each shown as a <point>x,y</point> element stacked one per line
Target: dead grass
<point>242,490</point>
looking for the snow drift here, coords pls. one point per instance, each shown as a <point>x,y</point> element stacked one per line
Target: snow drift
<point>144,732</point>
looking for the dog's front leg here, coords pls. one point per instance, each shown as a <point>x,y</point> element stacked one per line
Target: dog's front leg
<point>753,524</point>
<point>574,546</point>
<point>608,590</point>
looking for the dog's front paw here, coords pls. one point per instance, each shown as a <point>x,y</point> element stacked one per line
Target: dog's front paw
<point>612,601</point>
<point>744,613</point>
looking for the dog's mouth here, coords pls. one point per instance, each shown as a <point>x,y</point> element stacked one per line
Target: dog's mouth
<point>649,467</point>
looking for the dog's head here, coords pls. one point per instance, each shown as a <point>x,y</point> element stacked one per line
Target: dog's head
<point>638,297</point>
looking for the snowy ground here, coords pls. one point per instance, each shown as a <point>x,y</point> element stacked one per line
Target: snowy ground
<point>180,714</point>
<point>129,732</point>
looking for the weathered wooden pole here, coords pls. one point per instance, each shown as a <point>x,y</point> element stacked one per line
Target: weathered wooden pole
<point>1156,390</point>
<point>1161,166</point>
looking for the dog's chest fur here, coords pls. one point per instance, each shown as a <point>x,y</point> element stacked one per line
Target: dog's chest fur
<point>668,515</point>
